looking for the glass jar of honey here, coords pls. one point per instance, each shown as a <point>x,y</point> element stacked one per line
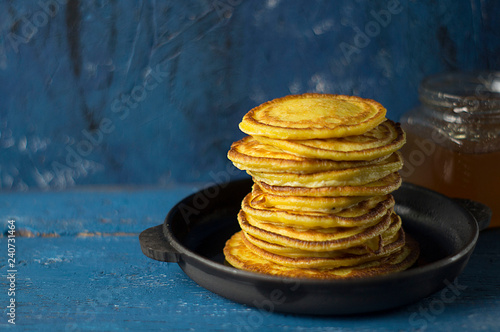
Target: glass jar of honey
<point>453,138</point>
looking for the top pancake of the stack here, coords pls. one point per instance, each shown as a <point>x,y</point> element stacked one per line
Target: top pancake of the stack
<point>313,116</point>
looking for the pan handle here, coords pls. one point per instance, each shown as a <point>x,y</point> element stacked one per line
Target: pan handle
<point>480,212</point>
<point>154,245</point>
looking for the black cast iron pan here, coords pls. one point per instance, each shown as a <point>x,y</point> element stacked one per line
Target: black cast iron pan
<point>195,230</point>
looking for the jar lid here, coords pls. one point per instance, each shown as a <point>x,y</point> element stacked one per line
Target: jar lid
<point>476,93</point>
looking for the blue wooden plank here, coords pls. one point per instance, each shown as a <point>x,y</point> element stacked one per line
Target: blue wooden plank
<point>80,212</point>
<point>106,283</point>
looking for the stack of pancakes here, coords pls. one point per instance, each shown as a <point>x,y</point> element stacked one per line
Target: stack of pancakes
<point>323,167</point>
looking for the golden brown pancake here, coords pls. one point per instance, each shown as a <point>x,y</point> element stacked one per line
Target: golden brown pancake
<point>372,245</point>
<point>238,255</point>
<point>326,262</point>
<point>250,154</point>
<point>381,141</point>
<point>361,214</point>
<point>291,242</point>
<point>383,186</point>
<point>345,177</point>
<point>315,239</point>
<point>313,115</point>
<point>326,204</point>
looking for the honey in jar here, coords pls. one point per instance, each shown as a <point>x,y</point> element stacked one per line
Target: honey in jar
<point>453,138</point>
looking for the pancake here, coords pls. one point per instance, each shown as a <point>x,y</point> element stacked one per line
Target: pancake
<point>326,262</point>
<point>314,239</point>
<point>381,141</point>
<point>374,244</point>
<point>326,204</point>
<point>250,154</point>
<point>238,255</point>
<point>345,177</point>
<point>313,115</point>
<point>361,214</point>
<point>382,186</point>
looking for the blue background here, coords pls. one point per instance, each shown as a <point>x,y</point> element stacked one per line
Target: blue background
<point>151,92</point>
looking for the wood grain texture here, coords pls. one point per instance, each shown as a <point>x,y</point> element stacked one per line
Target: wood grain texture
<point>80,213</point>
<point>105,283</point>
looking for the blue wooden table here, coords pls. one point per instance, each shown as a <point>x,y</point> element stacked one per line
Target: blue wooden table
<point>79,266</point>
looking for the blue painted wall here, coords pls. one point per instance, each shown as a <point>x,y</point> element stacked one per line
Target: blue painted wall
<point>151,92</point>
